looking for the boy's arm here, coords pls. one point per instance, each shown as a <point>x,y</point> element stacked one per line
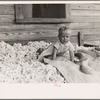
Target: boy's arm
<point>71,55</point>
<point>54,53</point>
<point>71,52</point>
<point>40,58</point>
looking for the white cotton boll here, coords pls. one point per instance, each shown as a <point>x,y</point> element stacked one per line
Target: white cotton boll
<point>50,73</point>
<point>49,67</point>
<point>3,78</point>
<point>40,78</point>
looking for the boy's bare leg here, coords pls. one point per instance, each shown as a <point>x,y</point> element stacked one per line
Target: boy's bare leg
<point>91,53</point>
<point>84,67</point>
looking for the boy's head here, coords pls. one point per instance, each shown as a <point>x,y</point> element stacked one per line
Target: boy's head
<point>64,34</point>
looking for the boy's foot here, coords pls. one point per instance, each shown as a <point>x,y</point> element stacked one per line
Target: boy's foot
<point>80,56</point>
<point>83,58</point>
<point>86,68</point>
<point>39,51</point>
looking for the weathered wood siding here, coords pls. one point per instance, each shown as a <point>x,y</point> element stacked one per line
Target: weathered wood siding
<point>6,14</point>
<point>85,18</point>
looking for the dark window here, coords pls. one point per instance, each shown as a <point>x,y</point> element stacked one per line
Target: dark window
<point>48,11</point>
<point>42,13</point>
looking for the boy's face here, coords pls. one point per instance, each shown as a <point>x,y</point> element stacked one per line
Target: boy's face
<point>64,37</point>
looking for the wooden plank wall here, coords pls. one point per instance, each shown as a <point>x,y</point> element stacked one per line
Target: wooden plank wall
<point>6,14</point>
<point>10,31</point>
<point>85,19</point>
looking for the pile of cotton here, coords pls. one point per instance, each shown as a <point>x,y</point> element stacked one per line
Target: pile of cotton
<point>82,47</point>
<point>18,64</point>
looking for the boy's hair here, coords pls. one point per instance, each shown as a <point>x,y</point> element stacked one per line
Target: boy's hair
<point>64,28</point>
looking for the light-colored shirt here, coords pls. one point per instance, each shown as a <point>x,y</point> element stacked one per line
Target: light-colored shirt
<point>62,49</point>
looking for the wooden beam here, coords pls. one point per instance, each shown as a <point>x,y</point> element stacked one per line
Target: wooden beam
<point>85,6</point>
<point>67,11</point>
<point>28,36</point>
<point>80,39</point>
<point>86,28</point>
<point>84,19</point>
<point>19,11</point>
<point>49,29</point>
<point>42,20</point>
<point>78,26</point>
<point>87,31</point>
<point>4,19</point>
<point>6,10</point>
<point>30,27</point>
<point>82,12</point>
<point>7,5</point>
<point>92,43</point>
<point>92,37</point>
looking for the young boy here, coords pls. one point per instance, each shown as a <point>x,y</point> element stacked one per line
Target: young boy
<point>61,47</point>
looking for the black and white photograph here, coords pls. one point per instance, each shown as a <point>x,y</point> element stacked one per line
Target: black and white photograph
<point>49,43</point>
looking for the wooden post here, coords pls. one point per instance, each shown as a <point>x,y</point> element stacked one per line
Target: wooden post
<point>19,11</point>
<point>67,11</point>
<point>80,39</point>
<point>23,11</point>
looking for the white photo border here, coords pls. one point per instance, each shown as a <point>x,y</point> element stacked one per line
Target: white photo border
<point>49,91</point>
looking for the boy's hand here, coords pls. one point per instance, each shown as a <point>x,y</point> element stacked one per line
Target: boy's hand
<point>40,59</point>
<point>71,55</point>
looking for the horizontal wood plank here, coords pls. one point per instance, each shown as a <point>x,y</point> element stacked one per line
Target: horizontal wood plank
<point>48,27</point>
<point>44,30</point>
<point>79,16</point>
<point>7,5</point>
<point>92,43</point>
<point>92,37</point>
<point>85,13</point>
<point>87,31</point>
<point>43,20</point>
<point>77,26</point>
<point>26,36</point>
<point>30,27</point>
<point>84,19</point>
<point>85,6</point>
<point>7,19</point>
<point>6,10</point>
